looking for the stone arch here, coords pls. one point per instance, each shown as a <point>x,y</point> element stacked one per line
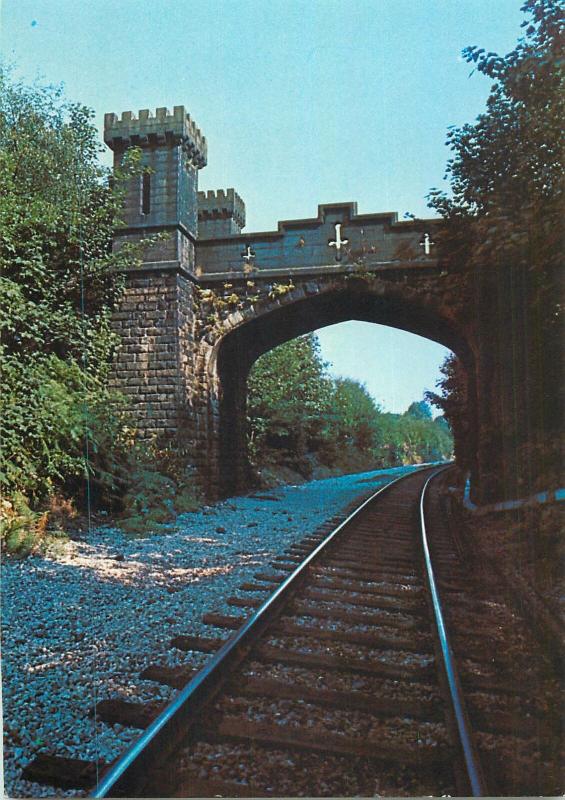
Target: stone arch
<point>175,364</point>
<point>326,302</point>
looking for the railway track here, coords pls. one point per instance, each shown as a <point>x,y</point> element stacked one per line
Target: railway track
<point>335,681</point>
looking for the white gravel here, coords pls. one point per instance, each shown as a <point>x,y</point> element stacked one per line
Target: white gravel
<point>80,623</point>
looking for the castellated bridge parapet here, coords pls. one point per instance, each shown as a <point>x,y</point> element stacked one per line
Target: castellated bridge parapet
<point>220,213</point>
<point>148,130</point>
<point>337,240</point>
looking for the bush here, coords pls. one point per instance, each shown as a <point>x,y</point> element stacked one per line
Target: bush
<point>23,531</point>
<point>159,486</point>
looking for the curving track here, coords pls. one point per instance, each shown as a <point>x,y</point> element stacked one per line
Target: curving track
<point>337,683</point>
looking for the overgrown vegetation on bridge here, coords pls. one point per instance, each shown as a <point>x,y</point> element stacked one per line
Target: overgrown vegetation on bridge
<point>300,419</point>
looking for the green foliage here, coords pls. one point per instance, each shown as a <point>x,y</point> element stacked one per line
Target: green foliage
<point>406,439</point>
<point>289,399</point>
<point>57,288</point>
<point>299,416</point>
<point>18,525</point>
<point>453,401</point>
<point>61,429</point>
<point>419,410</point>
<point>280,289</point>
<point>218,304</point>
<point>159,486</point>
<point>356,415</point>
<point>503,223</point>
<point>423,440</point>
<point>22,530</point>
<point>57,215</point>
<point>506,203</point>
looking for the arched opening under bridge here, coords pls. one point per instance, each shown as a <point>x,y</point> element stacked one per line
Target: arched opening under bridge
<point>237,351</point>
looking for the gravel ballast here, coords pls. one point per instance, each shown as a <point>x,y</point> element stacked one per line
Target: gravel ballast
<point>80,623</point>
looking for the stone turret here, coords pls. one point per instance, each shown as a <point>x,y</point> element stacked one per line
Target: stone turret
<point>220,214</point>
<point>164,197</point>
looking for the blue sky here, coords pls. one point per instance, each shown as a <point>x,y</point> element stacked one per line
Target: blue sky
<point>302,102</point>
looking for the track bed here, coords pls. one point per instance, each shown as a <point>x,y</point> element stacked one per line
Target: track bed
<point>333,681</point>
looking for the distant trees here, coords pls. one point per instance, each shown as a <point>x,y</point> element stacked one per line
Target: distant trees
<point>422,438</point>
<point>355,414</point>
<point>301,418</point>
<point>289,398</point>
<point>419,410</point>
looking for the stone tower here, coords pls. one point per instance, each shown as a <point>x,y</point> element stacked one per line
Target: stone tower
<point>155,365</point>
<point>164,199</point>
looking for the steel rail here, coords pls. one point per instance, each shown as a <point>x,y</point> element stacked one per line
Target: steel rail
<point>174,721</point>
<point>471,757</point>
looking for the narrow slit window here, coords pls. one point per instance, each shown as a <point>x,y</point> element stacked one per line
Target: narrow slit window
<point>146,193</point>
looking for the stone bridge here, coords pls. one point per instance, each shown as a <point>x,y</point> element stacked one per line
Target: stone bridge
<point>208,299</point>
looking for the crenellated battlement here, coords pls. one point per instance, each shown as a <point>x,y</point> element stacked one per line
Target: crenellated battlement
<point>148,130</point>
<point>221,205</point>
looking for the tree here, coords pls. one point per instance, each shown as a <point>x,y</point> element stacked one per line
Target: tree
<point>298,415</point>
<point>506,171</point>
<point>419,410</point>
<point>442,423</point>
<point>57,286</point>
<point>453,401</point>
<point>356,414</point>
<point>502,229</point>
<point>289,397</point>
